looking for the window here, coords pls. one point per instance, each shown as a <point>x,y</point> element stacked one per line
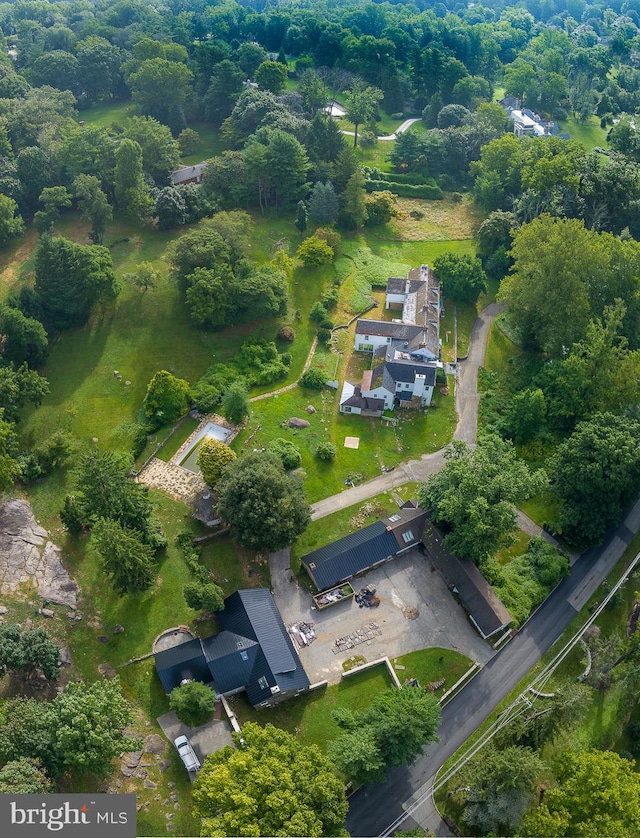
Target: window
<point>407,386</point>
<point>263,683</point>
<point>407,536</point>
<point>346,410</point>
<point>388,340</point>
<point>244,656</point>
<point>366,337</point>
<point>394,518</point>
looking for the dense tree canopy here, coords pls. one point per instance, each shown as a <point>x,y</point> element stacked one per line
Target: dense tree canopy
<point>269,785</point>
<point>267,508</point>
<point>598,793</point>
<point>213,458</point>
<point>473,496</point>
<point>596,473</point>
<point>392,731</point>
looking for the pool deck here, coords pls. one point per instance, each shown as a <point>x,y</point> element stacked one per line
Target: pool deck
<point>170,477</point>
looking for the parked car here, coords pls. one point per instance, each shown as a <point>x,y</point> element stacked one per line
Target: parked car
<point>187,754</point>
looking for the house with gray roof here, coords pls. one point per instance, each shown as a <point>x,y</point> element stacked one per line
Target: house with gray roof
<point>405,352</point>
<point>188,174</point>
<point>252,653</point>
<point>364,549</point>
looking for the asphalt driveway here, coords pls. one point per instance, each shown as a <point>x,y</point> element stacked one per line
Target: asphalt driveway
<point>405,585</point>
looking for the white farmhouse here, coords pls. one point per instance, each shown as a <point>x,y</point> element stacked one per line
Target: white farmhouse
<point>405,352</point>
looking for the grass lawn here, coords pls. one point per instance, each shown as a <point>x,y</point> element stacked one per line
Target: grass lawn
<point>309,715</point>
<point>432,665</point>
<point>180,435</point>
<point>518,548</point>
<point>589,133</point>
<point>380,444</point>
<point>544,508</point>
<point>500,350</point>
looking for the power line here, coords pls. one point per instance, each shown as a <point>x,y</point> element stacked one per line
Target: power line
<point>522,702</point>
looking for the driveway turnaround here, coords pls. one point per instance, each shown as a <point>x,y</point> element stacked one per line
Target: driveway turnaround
<point>405,585</point>
<point>205,739</point>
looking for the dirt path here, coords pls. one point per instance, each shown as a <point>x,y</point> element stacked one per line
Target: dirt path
<point>293,384</point>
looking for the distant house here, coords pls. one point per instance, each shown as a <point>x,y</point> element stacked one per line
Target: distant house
<point>365,549</point>
<point>253,653</point>
<point>188,174</point>
<point>335,109</point>
<point>526,123</point>
<point>405,351</point>
<point>483,606</point>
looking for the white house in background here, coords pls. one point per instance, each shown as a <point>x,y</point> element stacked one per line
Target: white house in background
<point>526,123</point>
<point>405,352</point>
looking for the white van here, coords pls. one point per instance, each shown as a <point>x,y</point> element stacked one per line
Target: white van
<point>187,754</point>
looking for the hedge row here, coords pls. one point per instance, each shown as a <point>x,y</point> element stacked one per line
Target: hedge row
<point>406,190</point>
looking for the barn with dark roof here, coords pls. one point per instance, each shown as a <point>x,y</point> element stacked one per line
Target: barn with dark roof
<point>365,549</point>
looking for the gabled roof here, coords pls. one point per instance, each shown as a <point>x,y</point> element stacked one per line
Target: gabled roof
<point>252,652</point>
<point>186,661</point>
<point>365,548</point>
<point>350,555</point>
<point>480,601</point>
<point>253,614</point>
<point>352,397</point>
<point>387,328</point>
<point>231,660</point>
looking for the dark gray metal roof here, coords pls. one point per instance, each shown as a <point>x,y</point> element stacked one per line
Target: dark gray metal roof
<point>253,613</point>
<point>252,645</point>
<point>231,659</point>
<point>350,555</point>
<point>477,596</point>
<point>179,662</point>
<point>387,328</point>
<point>406,371</point>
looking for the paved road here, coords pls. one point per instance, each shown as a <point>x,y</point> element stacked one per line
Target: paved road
<point>373,810</point>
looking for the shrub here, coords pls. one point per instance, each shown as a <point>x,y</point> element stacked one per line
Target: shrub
<point>314,379</point>
<point>326,451</point>
<point>324,335</point>
<point>318,313</point>
<point>314,251</point>
<point>329,235</point>
<point>286,450</point>
<point>213,458</point>
<point>330,298</point>
<point>204,596</point>
<point>286,334</point>
<point>193,703</point>
<point>166,400</point>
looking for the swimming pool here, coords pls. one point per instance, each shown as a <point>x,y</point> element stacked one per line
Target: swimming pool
<point>189,461</point>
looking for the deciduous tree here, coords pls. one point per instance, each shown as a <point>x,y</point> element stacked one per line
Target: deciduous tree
<point>266,507</point>
<point>213,458</point>
<point>462,276</point>
<point>166,399</point>
<point>24,776</point>
<point>598,793</point>
<point>193,703</point>
<point>596,472</point>
<point>392,731</point>
<point>361,101</point>
<point>269,785</point>
<point>474,495</point>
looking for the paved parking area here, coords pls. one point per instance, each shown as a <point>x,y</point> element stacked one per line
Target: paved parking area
<point>205,739</point>
<point>405,585</point>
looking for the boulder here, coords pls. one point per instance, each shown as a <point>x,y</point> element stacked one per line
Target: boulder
<point>294,422</point>
<point>311,409</point>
